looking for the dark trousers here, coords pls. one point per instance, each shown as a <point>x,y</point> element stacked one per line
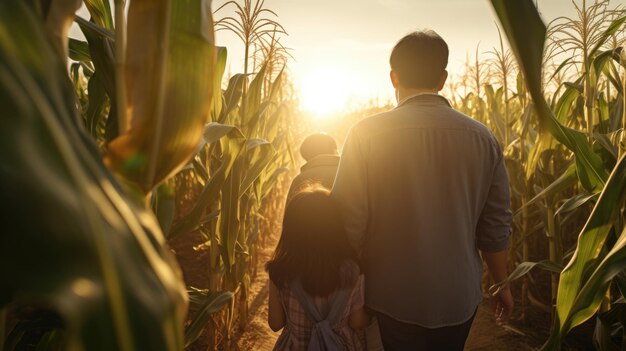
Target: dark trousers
<point>400,336</point>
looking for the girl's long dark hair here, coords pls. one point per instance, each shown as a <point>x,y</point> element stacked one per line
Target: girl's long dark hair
<point>313,245</point>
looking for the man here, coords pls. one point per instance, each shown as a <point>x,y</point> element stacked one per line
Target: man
<point>424,189</point>
<point>321,156</point>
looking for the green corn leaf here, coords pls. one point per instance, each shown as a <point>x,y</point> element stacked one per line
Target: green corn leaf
<point>81,245</point>
<point>613,76</point>
<point>562,66</point>
<point>100,11</point>
<point>575,202</point>
<point>229,219</point>
<point>202,305</point>
<point>260,153</point>
<point>102,32</point>
<point>101,52</point>
<point>269,183</point>
<point>169,79</point>
<point>252,123</point>
<point>164,205</point>
<point>273,122</point>
<point>495,117</point>
<point>579,293</point>
<point>199,169</point>
<point>564,104</point>
<point>232,96</point>
<point>97,103</point>
<point>220,66</point>
<point>232,142</point>
<point>254,94</point>
<point>620,281</point>
<point>608,143</point>
<point>603,112</point>
<point>579,296</point>
<point>79,50</point>
<point>276,87</point>
<point>524,268</point>
<point>526,34</point>
<point>613,28</point>
<point>566,180</point>
<point>209,195</point>
<point>603,58</point>
<point>215,131</point>
<point>248,166</point>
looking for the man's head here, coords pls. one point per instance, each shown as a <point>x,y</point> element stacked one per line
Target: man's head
<point>418,62</point>
<point>318,144</point>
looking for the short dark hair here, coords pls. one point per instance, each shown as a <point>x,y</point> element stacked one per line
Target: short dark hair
<point>419,59</point>
<point>318,144</point>
<point>313,245</point>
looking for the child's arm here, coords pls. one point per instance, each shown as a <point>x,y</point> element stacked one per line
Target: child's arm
<point>275,314</point>
<point>359,319</point>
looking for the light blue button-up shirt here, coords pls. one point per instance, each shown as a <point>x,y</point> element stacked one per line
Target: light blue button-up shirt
<point>423,188</point>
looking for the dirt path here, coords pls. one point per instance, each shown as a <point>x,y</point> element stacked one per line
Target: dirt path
<point>485,334</point>
<point>258,335</point>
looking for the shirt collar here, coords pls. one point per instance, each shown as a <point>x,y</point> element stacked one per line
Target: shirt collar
<point>425,97</point>
<point>321,160</point>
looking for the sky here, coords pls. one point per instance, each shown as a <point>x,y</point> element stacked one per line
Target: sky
<point>347,42</point>
<point>341,47</point>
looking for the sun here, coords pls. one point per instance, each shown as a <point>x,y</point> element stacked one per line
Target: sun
<point>324,92</point>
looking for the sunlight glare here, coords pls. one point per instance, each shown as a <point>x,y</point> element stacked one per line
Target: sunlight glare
<point>325,91</point>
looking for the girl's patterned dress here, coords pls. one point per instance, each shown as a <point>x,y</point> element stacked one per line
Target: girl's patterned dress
<point>297,332</point>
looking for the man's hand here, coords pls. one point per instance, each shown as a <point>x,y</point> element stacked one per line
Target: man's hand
<point>503,305</point>
<point>503,301</point>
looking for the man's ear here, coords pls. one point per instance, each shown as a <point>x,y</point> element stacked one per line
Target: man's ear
<point>394,79</point>
<point>442,80</point>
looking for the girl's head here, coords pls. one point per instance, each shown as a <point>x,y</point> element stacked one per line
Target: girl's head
<point>313,245</point>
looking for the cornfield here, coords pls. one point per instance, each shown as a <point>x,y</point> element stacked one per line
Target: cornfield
<point>562,131</point>
<point>133,148</point>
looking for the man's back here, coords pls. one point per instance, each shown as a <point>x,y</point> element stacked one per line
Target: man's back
<point>415,186</point>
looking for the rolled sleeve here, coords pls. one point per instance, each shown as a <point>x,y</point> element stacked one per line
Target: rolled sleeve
<point>494,225</point>
<point>350,190</point>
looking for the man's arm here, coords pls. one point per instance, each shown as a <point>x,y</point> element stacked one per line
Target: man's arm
<point>492,236</point>
<point>503,302</point>
<point>350,190</point>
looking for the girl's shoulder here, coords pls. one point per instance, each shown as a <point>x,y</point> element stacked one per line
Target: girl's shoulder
<point>349,272</point>
<point>351,266</point>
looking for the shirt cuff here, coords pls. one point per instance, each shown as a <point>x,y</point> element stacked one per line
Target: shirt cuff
<point>491,245</point>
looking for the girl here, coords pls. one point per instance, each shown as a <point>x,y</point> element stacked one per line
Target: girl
<point>316,290</point>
